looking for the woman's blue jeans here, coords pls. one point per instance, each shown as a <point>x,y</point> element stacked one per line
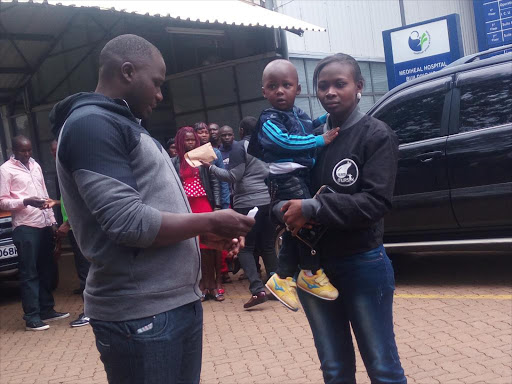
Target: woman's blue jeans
<point>366,284</point>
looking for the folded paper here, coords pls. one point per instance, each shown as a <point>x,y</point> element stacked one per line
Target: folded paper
<point>203,153</point>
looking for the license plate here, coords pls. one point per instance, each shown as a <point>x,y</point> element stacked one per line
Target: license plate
<point>8,251</point>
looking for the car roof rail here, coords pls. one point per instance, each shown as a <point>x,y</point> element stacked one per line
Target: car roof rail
<point>478,55</point>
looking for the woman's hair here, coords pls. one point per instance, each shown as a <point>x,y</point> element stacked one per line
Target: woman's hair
<point>248,124</point>
<point>180,142</point>
<point>341,58</point>
<point>201,125</point>
<point>169,142</point>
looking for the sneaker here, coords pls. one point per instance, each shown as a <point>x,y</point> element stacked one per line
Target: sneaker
<point>256,299</point>
<point>80,321</point>
<point>317,285</point>
<point>53,315</point>
<point>37,325</point>
<point>285,290</point>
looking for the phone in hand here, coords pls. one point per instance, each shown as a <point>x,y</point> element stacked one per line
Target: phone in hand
<point>312,236</point>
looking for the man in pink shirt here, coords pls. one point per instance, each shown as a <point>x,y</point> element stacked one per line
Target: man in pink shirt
<point>23,193</point>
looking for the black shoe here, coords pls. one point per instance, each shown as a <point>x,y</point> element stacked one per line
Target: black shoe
<point>37,325</point>
<point>80,321</point>
<point>256,299</point>
<point>51,316</point>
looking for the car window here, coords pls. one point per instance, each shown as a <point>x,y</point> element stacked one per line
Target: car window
<point>415,118</point>
<point>486,99</point>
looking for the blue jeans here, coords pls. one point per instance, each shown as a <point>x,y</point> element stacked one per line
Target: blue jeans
<point>165,348</point>
<point>261,236</point>
<point>37,270</point>
<point>294,253</point>
<point>366,284</point>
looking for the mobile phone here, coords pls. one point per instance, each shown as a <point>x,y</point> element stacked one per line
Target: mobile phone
<point>312,236</point>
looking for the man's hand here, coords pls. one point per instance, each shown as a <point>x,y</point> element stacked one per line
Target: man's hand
<point>34,201</point>
<point>50,203</point>
<point>63,230</point>
<point>330,135</point>
<point>293,216</point>
<point>229,224</point>
<point>233,246</point>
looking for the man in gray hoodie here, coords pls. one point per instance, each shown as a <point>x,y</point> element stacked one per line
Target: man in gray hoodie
<point>132,221</point>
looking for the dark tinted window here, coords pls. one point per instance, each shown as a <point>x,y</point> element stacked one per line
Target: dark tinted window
<point>415,118</point>
<point>486,103</point>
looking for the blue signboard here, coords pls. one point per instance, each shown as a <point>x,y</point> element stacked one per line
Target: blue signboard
<point>419,49</point>
<point>493,20</point>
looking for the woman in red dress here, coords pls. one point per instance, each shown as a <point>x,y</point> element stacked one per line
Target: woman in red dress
<point>203,193</point>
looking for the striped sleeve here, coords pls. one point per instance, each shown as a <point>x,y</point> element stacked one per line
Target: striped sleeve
<point>274,137</point>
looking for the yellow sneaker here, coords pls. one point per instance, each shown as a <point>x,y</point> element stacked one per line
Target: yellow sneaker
<point>317,285</point>
<point>285,290</point>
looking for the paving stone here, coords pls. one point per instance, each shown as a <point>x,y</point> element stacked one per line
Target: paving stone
<point>444,341</point>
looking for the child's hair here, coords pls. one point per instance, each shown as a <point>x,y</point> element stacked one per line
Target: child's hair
<point>341,58</point>
<point>180,141</point>
<point>199,126</point>
<point>248,124</point>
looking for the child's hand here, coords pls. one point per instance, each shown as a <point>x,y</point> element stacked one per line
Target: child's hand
<point>329,136</point>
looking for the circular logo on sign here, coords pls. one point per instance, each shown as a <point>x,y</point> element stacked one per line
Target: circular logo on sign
<point>345,173</point>
<point>419,43</point>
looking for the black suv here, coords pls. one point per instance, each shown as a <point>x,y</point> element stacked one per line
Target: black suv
<point>454,182</point>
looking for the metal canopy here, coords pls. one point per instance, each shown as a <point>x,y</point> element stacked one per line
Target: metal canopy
<point>31,30</point>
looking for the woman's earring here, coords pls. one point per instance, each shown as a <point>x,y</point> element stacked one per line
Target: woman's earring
<point>358,95</point>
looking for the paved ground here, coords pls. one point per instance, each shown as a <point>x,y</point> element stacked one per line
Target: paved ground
<point>453,319</point>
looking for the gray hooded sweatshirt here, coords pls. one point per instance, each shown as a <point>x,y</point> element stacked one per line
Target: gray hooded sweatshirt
<point>116,180</point>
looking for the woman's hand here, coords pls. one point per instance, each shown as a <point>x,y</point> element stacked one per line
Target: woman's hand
<point>205,164</point>
<point>293,217</point>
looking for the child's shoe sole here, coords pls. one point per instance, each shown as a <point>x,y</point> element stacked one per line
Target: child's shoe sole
<point>314,294</point>
<point>278,298</point>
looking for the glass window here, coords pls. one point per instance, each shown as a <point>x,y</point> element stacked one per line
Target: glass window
<point>486,103</point>
<point>303,103</point>
<point>310,68</point>
<point>366,103</point>
<point>317,109</point>
<point>414,118</point>
<point>299,64</point>
<point>365,71</point>
<point>379,77</point>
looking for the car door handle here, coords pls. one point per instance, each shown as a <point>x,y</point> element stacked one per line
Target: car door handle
<point>429,156</point>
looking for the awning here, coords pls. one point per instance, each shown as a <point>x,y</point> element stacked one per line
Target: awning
<point>31,30</point>
<point>230,12</point>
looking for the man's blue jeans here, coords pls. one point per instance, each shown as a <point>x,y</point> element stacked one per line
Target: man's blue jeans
<point>36,265</point>
<point>366,284</point>
<point>165,348</point>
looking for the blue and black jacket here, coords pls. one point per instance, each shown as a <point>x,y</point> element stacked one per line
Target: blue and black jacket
<point>286,136</point>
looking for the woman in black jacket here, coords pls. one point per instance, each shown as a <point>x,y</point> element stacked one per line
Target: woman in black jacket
<point>203,193</point>
<point>360,166</point>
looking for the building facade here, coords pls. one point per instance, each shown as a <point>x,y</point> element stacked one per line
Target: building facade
<point>355,27</point>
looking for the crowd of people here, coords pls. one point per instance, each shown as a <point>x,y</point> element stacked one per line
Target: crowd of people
<point>154,236</point>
